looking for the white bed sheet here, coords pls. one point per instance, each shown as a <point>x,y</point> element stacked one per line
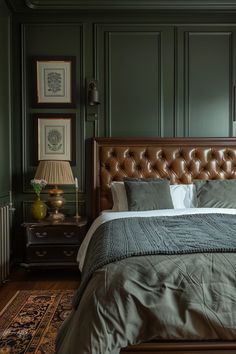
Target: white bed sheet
<point>111,215</point>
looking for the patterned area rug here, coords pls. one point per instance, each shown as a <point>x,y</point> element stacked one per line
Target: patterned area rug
<point>30,321</point>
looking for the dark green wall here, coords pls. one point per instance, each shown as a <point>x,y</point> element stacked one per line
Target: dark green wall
<point>5,112</point>
<point>49,40</point>
<point>159,74</point>
<point>136,70</point>
<point>206,80</point>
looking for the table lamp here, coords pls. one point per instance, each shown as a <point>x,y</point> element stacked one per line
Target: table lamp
<point>55,173</point>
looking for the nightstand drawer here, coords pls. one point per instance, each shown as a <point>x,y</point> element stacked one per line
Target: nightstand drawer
<point>53,245</point>
<point>54,234</point>
<point>50,254</point>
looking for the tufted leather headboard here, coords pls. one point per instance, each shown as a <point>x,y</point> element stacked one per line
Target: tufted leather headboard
<point>179,159</point>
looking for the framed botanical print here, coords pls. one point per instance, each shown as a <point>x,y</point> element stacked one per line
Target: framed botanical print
<point>54,82</point>
<point>55,136</point>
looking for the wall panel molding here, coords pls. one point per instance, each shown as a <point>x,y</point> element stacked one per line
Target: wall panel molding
<point>5,100</point>
<point>109,36</point>
<point>206,84</point>
<point>118,43</point>
<point>178,6</point>
<point>131,4</point>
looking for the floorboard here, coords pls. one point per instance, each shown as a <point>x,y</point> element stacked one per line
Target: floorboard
<point>54,279</point>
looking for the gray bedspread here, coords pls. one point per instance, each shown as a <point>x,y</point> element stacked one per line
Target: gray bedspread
<point>161,294</point>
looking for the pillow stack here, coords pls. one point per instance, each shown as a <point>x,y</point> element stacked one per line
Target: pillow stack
<point>182,195</point>
<point>138,194</point>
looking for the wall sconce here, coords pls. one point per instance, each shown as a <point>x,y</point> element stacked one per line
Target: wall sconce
<point>92,92</point>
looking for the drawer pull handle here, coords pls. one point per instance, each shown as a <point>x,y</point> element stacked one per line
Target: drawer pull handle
<point>68,253</point>
<point>69,234</point>
<point>41,235</point>
<point>41,253</point>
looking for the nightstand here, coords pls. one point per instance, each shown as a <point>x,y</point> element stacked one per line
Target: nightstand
<point>53,245</point>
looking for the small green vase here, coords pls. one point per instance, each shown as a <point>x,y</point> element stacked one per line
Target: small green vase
<point>38,209</point>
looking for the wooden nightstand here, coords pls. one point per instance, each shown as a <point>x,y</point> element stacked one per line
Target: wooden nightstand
<point>53,245</point>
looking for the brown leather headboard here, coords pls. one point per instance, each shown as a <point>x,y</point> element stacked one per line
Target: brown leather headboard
<point>180,159</point>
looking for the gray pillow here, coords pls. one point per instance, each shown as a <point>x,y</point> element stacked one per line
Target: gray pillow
<point>148,194</point>
<point>216,193</point>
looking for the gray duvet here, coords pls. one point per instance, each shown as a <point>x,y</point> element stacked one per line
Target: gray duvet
<point>189,296</point>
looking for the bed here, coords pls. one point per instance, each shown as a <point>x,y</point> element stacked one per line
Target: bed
<point>109,313</point>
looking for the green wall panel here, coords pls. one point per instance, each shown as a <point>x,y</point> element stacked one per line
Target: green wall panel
<point>135,89</point>
<point>207,79</point>
<point>138,67</point>
<point>209,84</point>
<point>5,116</point>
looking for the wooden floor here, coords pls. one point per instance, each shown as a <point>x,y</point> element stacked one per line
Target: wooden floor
<point>20,279</point>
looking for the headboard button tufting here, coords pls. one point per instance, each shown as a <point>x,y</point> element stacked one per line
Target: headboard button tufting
<point>179,159</point>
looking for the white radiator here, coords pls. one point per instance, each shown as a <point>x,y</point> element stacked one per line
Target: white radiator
<point>4,242</point>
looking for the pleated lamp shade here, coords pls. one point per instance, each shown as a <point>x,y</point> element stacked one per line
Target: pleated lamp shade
<point>55,172</point>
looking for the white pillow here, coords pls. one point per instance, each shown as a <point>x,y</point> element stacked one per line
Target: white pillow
<point>183,196</point>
